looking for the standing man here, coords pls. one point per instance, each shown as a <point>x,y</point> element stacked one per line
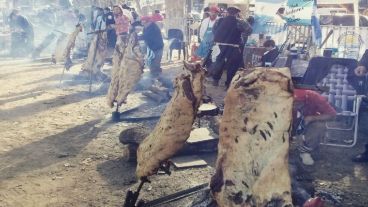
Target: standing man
<point>157,17</point>
<point>228,33</point>
<point>22,35</point>
<point>155,44</point>
<point>111,34</point>
<point>206,33</point>
<point>315,111</point>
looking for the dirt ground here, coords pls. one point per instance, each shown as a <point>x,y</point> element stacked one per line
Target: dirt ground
<point>58,147</point>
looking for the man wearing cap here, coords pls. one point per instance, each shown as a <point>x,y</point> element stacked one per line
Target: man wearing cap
<point>313,110</point>
<point>155,44</point>
<point>228,33</point>
<point>206,33</point>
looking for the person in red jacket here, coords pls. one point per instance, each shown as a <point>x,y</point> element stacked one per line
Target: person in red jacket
<point>157,17</point>
<point>315,111</point>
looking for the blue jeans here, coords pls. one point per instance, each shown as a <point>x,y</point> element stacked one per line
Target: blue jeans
<point>154,62</point>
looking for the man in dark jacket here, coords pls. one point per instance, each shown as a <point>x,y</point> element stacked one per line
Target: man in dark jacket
<point>357,75</point>
<point>228,33</point>
<point>110,22</point>
<point>269,57</point>
<point>358,78</point>
<point>155,44</point>
<point>22,34</point>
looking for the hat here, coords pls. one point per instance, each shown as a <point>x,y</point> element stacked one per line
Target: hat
<point>214,9</point>
<point>146,18</point>
<point>233,10</point>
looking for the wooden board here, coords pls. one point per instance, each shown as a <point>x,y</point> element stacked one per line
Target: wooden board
<point>188,161</point>
<point>207,107</point>
<point>199,135</point>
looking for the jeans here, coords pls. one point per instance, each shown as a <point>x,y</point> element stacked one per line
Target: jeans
<point>230,59</point>
<point>155,64</point>
<point>314,133</point>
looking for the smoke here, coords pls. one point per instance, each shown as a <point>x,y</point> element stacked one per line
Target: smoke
<point>48,24</point>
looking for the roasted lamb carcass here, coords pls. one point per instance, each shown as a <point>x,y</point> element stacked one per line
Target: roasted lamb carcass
<point>127,69</point>
<point>171,131</point>
<point>97,54</point>
<point>252,163</point>
<point>70,46</point>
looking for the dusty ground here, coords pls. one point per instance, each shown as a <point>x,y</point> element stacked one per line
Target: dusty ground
<point>59,148</point>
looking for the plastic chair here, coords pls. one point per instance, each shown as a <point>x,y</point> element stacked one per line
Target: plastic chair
<point>343,96</point>
<point>176,42</point>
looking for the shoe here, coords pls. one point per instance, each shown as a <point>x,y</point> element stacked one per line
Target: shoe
<point>360,158</point>
<point>306,158</point>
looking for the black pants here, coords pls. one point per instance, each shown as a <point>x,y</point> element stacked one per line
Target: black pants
<point>229,59</point>
<point>111,38</point>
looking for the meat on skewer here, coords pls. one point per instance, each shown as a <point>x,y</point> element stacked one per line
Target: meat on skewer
<point>70,46</point>
<point>127,70</point>
<point>252,163</point>
<point>97,54</point>
<point>172,130</point>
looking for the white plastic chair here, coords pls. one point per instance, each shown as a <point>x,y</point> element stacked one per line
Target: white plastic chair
<point>339,95</point>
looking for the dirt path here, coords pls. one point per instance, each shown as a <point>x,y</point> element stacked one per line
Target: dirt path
<point>59,148</point>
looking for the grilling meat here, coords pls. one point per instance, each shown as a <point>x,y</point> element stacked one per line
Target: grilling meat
<point>127,69</point>
<point>172,130</point>
<point>97,54</point>
<point>252,164</point>
<point>70,46</point>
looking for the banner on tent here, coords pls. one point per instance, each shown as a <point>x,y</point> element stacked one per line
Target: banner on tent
<point>296,12</point>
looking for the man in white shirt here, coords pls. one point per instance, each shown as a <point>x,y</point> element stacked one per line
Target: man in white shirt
<point>205,32</point>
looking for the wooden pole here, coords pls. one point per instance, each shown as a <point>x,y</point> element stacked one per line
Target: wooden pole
<point>138,6</point>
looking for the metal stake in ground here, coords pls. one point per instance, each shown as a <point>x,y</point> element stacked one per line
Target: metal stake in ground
<point>132,197</point>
